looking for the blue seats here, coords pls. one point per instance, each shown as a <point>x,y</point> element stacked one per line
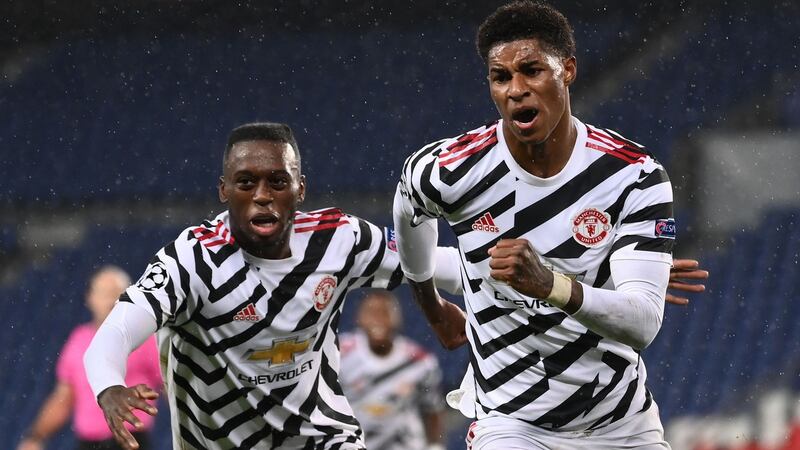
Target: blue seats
<point>740,332</point>
<point>154,114</point>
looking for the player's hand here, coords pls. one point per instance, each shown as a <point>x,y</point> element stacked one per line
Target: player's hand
<point>118,403</point>
<point>451,329</point>
<point>515,262</point>
<point>684,270</point>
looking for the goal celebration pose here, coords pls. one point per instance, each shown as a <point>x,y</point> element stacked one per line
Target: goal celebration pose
<point>565,235</point>
<point>246,309</point>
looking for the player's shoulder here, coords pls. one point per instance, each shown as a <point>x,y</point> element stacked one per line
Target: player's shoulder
<point>212,234</point>
<point>323,219</point>
<point>448,152</point>
<point>613,143</point>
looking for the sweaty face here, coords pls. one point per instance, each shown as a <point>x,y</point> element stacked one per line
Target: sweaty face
<point>263,187</point>
<point>529,85</point>
<point>379,319</point>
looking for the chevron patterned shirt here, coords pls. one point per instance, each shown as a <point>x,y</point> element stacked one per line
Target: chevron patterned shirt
<point>391,394</point>
<point>248,345</point>
<point>611,201</point>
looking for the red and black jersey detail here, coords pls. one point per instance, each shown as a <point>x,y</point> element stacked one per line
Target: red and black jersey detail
<point>468,144</point>
<point>608,141</point>
<point>322,219</point>
<point>213,235</point>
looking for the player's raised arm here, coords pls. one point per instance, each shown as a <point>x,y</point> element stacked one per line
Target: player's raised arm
<point>416,244</point>
<point>631,309</point>
<point>381,262</point>
<point>631,314</point>
<point>157,298</point>
<point>125,329</point>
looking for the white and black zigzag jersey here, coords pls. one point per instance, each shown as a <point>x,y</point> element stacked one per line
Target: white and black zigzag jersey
<point>391,393</point>
<point>612,200</point>
<point>248,345</point>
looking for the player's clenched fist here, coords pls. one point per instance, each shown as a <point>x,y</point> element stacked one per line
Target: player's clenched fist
<point>514,261</point>
<point>118,403</point>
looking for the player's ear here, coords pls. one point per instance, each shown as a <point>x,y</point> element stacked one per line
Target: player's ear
<point>301,191</point>
<point>570,70</point>
<point>223,195</point>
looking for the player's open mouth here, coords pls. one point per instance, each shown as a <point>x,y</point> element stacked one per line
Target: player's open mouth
<point>524,118</point>
<point>264,224</point>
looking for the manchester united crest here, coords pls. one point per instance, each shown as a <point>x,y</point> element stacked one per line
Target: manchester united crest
<point>591,227</point>
<point>323,293</point>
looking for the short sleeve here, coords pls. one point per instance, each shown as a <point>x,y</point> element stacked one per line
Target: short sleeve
<point>376,261</point>
<point>163,287</point>
<point>647,228</point>
<point>420,196</point>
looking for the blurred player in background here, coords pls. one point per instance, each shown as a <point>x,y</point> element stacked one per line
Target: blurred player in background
<point>391,382</point>
<point>566,233</point>
<point>72,395</point>
<point>247,307</point>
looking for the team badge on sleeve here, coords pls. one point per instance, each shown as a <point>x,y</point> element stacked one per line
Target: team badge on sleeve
<point>591,227</point>
<point>391,238</point>
<point>665,228</point>
<point>155,277</point>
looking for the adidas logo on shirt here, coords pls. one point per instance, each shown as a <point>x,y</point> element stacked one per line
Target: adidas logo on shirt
<point>485,223</point>
<point>247,314</point>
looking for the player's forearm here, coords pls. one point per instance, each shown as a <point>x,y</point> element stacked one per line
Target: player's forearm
<point>125,329</point>
<point>633,312</point>
<point>428,299</point>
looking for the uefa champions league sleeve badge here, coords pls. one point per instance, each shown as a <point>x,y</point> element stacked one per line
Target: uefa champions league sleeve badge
<point>154,278</point>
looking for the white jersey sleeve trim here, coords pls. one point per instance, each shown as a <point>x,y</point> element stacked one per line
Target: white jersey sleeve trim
<point>125,329</point>
<point>415,244</point>
<point>633,312</point>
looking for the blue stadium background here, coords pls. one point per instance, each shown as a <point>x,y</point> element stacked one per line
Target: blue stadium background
<point>114,117</point>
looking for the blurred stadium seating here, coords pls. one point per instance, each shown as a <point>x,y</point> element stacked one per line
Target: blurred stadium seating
<point>121,117</point>
<point>154,113</point>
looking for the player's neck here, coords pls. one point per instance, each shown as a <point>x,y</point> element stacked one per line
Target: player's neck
<point>280,249</point>
<point>282,252</point>
<point>548,158</point>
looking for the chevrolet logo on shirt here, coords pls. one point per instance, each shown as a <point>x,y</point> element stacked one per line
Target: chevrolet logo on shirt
<point>281,352</point>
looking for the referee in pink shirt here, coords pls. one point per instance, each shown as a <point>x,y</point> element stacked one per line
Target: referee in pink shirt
<point>72,395</point>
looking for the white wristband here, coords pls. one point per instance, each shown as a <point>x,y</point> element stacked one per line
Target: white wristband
<point>561,292</point>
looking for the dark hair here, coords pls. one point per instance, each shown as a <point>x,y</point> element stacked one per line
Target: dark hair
<point>526,20</point>
<point>262,131</point>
